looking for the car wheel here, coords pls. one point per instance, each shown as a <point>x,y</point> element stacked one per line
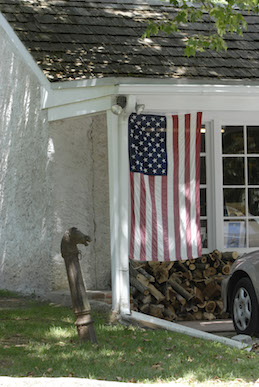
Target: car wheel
<point>244,308</point>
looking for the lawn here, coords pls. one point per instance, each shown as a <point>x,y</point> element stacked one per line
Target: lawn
<point>39,339</point>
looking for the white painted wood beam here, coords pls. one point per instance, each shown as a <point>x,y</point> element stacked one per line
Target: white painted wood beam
<point>65,96</point>
<point>80,108</point>
<point>124,215</point>
<point>113,159</point>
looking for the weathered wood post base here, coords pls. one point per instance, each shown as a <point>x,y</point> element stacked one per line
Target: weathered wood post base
<point>85,328</point>
<point>81,306</point>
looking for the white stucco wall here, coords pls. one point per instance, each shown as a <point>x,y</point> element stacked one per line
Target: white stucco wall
<point>25,202</point>
<point>52,176</point>
<point>79,175</point>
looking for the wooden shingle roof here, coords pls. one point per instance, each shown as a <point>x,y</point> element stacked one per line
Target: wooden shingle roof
<point>82,39</point>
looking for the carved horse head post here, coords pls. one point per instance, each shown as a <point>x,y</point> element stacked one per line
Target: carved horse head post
<point>81,306</point>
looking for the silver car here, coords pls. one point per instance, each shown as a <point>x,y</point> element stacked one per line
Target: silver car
<point>240,294</point>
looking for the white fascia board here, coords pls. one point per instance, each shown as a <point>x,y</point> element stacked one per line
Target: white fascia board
<point>110,81</point>
<point>65,96</point>
<point>189,88</point>
<point>24,52</point>
<point>179,97</point>
<point>159,95</point>
<point>93,106</point>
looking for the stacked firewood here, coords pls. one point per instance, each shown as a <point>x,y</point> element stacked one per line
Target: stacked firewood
<point>181,290</point>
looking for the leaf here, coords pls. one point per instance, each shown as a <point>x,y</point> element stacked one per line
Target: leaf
<point>30,374</point>
<point>157,365</point>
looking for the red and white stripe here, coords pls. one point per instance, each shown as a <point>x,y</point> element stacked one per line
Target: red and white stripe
<point>165,210</point>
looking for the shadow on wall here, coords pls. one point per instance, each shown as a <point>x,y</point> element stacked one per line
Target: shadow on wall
<point>24,192</point>
<point>79,169</point>
<point>52,176</point>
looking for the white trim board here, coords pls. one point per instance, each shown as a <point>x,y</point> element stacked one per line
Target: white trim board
<point>92,106</point>
<point>174,327</point>
<point>64,96</point>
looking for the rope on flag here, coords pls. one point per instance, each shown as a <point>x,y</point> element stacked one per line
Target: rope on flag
<point>164,154</point>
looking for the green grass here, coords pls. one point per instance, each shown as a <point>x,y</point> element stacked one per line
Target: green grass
<point>41,340</point>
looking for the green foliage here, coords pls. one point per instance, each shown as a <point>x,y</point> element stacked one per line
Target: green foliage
<point>226,17</point>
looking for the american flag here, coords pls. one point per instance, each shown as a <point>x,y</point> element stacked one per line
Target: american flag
<point>164,155</point>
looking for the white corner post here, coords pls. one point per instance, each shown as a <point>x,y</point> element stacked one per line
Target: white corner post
<point>124,215</point>
<point>119,196</point>
<point>113,158</point>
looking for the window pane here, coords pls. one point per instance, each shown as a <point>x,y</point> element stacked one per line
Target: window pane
<point>232,139</point>
<point>253,233</point>
<point>203,133</point>
<point>203,202</point>
<point>233,171</point>
<point>253,170</point>
<point>234,201</point>
<point>234,233</point>
<point>253,201</point>
<point>253,139</point>
<point>204,234</point>
<point>203,171</point>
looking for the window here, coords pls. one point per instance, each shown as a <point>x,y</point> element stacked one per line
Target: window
<point>240,169</point>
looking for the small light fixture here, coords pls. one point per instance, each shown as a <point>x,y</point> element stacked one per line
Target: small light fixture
<point>139,108</point>
<point>121,102</point>
<point>116,109</point>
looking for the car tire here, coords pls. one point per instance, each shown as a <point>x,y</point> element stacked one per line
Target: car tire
<point>244,308</point>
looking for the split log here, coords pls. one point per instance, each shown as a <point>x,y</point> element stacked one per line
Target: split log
<point>197,274</point>
<point>201,266</point>
<point>212,290</point>
<point>198,315</point>
<point>156,310</point>
<point>209,316</point>
<point>209,272</point>
<point>179,289</point>
<point>201,305</point>
<point>198,295</point>
<point>170,294</point>
<point>230,255</point>
<point>133,291</point>
<point>219,304</point>
<point>192,308</point>
<point>226,269</point>
<point>161,274</point>
<point>182,266</point>
<point>210,306</point>
<point>144,299</point>
<point>139,286</point>
<point>176,278</point>
<point>145,308</point>
<point>170,313</point>
<point>142,271</point>
<point>181,299</point>
<point>152,289</point>
<point>204,259</point>
<point>215,255</point>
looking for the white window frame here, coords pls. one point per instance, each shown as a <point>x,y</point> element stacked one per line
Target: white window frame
<point>209,188</point>
<point>224,119</point>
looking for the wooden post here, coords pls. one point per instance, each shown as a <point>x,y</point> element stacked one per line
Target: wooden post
<point>81,306</point>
